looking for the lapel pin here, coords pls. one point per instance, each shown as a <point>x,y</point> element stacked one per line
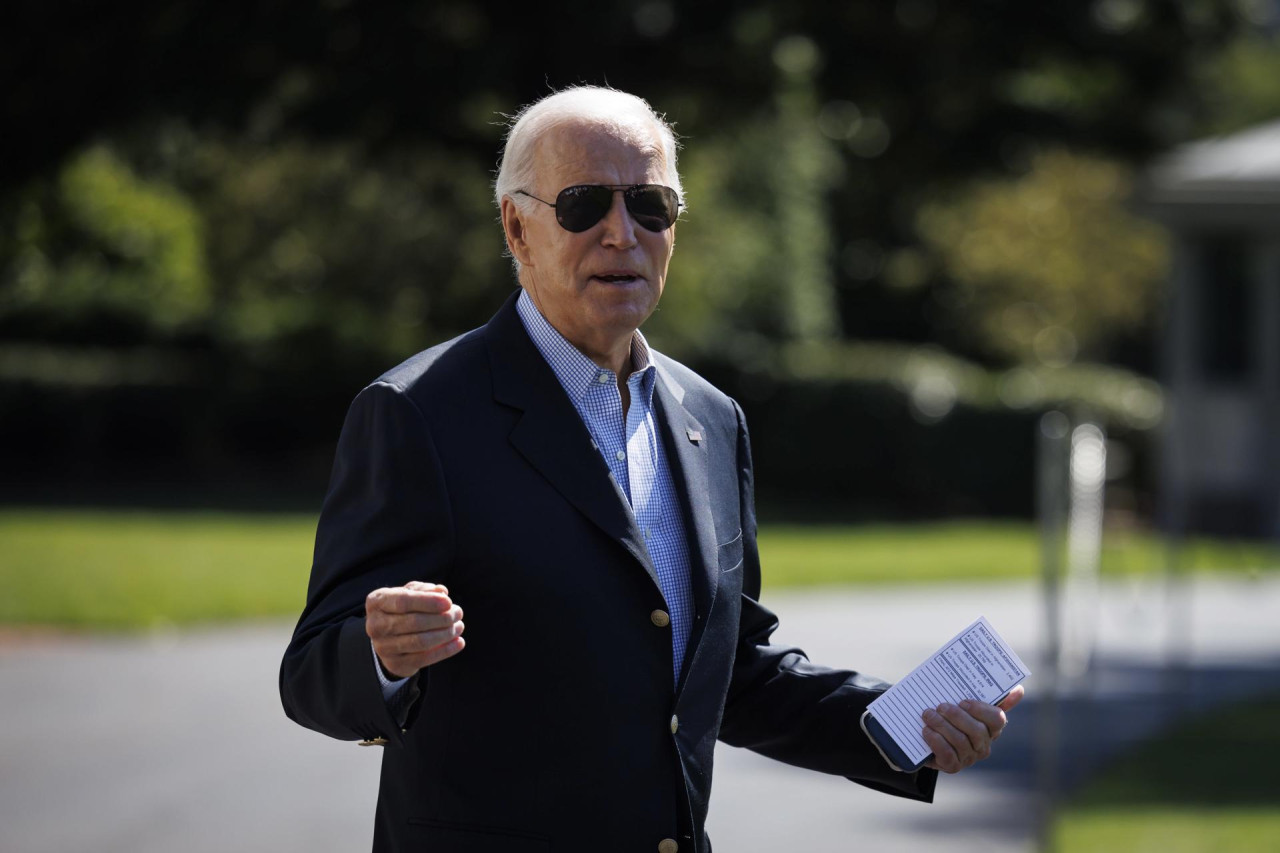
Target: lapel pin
<point>694,435</point>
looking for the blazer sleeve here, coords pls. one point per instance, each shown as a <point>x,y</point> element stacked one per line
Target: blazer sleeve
<point>386,521</point>
<point>781,705</point>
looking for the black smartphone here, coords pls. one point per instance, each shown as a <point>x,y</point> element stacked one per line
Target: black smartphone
<point>884,742</point>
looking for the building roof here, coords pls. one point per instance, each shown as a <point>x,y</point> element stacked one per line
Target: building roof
<point>1225,180</point>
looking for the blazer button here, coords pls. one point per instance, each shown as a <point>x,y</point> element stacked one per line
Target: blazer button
<point>668,845</point>
<point>374,741</point>
<point>675,724</point>
<point>660,618</point>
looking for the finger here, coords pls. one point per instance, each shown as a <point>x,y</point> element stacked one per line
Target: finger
<point>958,738</point>
<point>966,751</point>
<point>403,600</point>
<point>417,623</point>
<point>378,624</point>
<point>404,666</point>
<point>426,586</point>
<point>978,729</point>
<point>944,754</point>
<point>1015,696</point>
<point>412,644</point>
<point>989,716</point>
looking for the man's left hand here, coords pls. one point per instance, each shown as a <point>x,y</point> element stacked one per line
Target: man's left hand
<point>961,735</point>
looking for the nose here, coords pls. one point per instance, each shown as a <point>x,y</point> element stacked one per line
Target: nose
<point>619,230</point>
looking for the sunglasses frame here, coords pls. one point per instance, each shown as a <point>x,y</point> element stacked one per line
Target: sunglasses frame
<point>627,191</point>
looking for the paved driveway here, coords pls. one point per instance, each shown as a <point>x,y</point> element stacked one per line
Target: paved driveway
<point>176,742</point>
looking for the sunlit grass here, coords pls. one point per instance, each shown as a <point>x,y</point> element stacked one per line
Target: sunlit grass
<point>113,569</point>
<point>1171,830</point>
<point>1208,786</point>
<point>971,550</point>
<point>136,569</point>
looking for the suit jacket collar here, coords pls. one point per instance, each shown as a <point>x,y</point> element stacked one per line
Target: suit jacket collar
<point>690,471</point>
<point>552,437</point>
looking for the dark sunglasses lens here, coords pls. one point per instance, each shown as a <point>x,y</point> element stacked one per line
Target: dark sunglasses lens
<point>653,206</point>
<point>578,208</point>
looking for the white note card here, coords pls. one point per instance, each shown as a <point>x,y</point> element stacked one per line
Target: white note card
<point>976,664</point>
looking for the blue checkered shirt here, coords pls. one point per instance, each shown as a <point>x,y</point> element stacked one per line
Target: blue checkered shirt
<point>633,450</point>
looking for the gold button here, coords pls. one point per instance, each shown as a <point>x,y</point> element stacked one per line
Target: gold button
<point>675,723</point>
<point>660,618</point>
<point>374,741</point>
<point>668,845</point>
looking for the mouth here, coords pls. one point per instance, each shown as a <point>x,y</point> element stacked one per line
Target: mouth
<point>617,277</point>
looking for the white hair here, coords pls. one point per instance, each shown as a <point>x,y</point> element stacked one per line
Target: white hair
<point>611,107</point>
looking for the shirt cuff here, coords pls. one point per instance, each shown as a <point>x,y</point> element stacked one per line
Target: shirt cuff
<point>390,686</point>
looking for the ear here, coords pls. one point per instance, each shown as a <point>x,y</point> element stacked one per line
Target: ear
<point>514,227</point>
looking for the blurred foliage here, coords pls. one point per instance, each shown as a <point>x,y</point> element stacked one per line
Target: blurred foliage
<point>1048,266</point>
<point>1242,82</point>
<point>101,238</point>
<point>256,246</point>
<point>753,264</point>
<point>310,238</point>
<point>934,382</point>
<point>433,71</point>
<point>217,221</point>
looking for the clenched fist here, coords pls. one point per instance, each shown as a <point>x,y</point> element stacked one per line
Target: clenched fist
<point>413,626</point>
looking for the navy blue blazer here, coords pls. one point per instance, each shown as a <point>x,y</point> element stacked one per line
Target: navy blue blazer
<point>558,727</point>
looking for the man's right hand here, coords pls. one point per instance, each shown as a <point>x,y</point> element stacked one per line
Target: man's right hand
<point>412,626</point>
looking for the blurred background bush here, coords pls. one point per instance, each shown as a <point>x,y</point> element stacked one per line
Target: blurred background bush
<point>910,227</point>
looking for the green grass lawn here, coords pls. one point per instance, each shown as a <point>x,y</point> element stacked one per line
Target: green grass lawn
<point>116,569</point>
<point>124,569</point>
<point>1208,786</point>
<point>968,551</point>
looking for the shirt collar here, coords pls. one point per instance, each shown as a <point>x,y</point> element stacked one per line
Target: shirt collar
<point>575,371</point>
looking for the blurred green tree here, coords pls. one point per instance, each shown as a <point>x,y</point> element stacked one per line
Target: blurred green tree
<point>755,258</point>
<point>102,239</point>
<point>1050,266</point>
<point>288,197</point>
<point>275,253</point>
<point>1241,84</point>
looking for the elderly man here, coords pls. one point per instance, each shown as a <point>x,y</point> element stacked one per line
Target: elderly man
<point>589,502</point>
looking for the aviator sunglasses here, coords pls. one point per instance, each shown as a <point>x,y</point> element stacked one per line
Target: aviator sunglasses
<point>653,206</point>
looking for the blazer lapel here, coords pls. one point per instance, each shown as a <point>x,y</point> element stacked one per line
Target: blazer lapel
<point>551,435</point>
<point>686,443</point>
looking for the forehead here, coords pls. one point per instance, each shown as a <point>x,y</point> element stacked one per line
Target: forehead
<point>598,152</point>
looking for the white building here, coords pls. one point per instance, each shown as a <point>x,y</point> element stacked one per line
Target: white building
<point>1221,455</point>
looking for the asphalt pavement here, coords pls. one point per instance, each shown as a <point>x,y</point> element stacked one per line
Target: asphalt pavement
<point>176,741</point>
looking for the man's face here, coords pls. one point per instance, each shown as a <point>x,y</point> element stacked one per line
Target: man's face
<point>595,287</point>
